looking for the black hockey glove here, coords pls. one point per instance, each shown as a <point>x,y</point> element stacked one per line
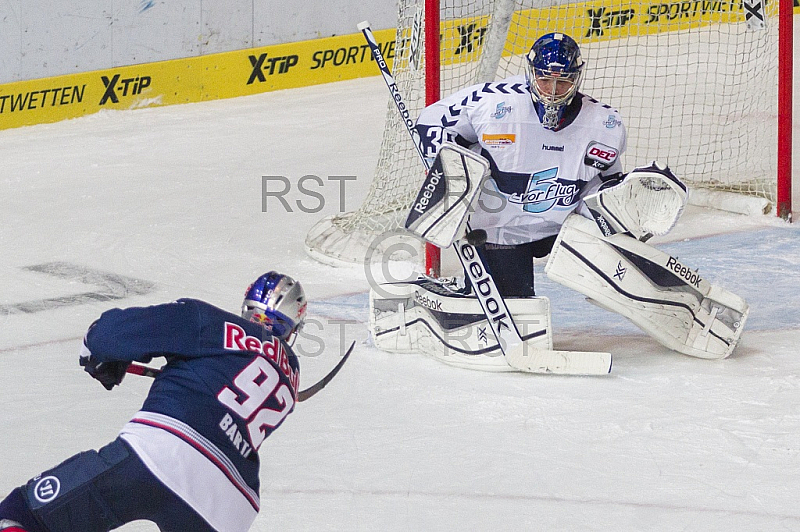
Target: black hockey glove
<point>108,373</point>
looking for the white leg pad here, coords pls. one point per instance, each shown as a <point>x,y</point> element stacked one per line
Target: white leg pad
<point>666,299</point>
<point>425,316</point>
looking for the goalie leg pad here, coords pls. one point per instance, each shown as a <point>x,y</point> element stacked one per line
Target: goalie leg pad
<point>666,299</point>
<point>426,316</point>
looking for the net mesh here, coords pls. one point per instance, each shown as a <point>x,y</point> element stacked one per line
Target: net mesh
<point>694,85</point>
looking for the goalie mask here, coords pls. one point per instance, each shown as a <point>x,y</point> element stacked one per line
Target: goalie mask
<point>277,302</point>
<point>554,73</point>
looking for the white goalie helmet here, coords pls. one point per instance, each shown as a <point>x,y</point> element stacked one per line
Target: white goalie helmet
<point>277,302</point>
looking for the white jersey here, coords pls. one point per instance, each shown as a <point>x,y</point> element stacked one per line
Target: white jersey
<point>538,175</point>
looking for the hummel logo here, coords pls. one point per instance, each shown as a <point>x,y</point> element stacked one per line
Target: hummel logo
<point>545,147</point>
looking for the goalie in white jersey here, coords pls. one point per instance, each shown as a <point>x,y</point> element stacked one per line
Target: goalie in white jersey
<point>531,161</point>
<point>548,146</point>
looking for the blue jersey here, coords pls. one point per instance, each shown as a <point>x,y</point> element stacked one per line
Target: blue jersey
<point>228,383</point>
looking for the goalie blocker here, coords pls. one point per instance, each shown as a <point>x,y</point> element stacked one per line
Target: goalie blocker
<point>664,297</point>
<point>439,212</point>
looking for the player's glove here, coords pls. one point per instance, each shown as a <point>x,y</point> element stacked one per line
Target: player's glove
<point>108,373</point>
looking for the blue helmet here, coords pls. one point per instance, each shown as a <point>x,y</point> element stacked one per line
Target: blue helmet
<point>554,73</point>
<point>277,302</point>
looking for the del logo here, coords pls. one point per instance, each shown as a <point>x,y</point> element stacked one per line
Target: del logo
<point>46,489</point>
<point>499,140</point>
<point>544,192</point>
<point>600,156</point>
<point>236,339</point>
<point>116,87</point>
<point>501,111</point>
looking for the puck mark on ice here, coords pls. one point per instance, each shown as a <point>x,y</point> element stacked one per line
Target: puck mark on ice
<point>110,287</point>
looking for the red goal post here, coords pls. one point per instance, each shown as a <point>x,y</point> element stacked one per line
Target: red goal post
<point>703,85</point>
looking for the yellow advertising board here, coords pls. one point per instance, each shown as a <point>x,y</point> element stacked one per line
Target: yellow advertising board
<point>299,64</point>
<point>194,79</point>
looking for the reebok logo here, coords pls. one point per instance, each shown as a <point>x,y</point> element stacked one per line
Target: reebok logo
<point>691,277</point>
<point>428,302</point>
<point>601,222</point>
<point>480,282</point>
<point>427,192</point>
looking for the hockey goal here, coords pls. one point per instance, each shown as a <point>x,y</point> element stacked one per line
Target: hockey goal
<point>696,82</point>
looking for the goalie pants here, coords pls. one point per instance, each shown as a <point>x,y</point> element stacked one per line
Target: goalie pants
<point>511,267</point>
<point>97,491</point>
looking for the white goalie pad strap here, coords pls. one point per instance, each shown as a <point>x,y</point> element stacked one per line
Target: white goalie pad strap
<point>426,316</point>
<point>439,212</point>
<point>665,298</point>
<point>647,202</point>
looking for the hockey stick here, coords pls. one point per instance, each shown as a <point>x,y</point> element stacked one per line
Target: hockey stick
<point>517,353</point>
<point>302,395</point>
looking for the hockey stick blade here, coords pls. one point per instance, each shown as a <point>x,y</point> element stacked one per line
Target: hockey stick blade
<point>528,359</point>
<point>302,395</point>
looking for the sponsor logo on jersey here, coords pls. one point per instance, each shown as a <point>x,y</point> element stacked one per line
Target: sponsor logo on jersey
<point>545,191</point>
<point>612,122</point>
<point>547,147</point>
<point>501,111</point>
<point>428,302</point>
<point>600,156</point>
<point>47,489</point>
<point>236,339</point>
<point>499,140</point>
<point>691,277</point>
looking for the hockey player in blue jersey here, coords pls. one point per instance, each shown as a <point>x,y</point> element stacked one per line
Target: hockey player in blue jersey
<point>188,460</point>
<point>547,144</point>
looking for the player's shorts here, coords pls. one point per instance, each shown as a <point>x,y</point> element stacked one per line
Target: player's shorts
<point>96,491</point>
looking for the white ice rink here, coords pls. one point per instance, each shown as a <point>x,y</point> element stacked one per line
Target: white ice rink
<point>142,207</point>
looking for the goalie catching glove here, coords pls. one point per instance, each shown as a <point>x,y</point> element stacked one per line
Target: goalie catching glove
<point>647,202</point>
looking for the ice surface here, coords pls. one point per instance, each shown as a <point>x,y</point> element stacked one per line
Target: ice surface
<point>172,197</point>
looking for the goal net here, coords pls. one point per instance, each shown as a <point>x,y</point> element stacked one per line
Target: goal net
<point>695,82</point>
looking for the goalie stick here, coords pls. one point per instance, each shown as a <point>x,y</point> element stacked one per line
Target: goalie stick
<point>518,354</point>
<point>302,395</point>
